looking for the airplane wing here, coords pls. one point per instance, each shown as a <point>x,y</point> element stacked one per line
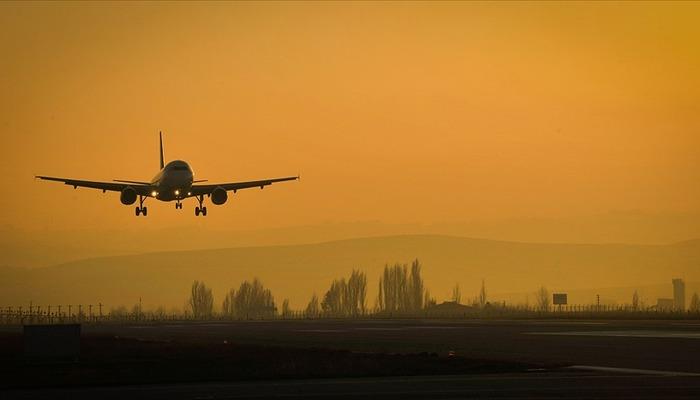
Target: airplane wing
<point>198,190</point>
<point>140,189</point>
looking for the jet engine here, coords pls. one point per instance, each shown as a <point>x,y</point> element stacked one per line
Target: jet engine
<point>219,196</point>
<point>128,196</point>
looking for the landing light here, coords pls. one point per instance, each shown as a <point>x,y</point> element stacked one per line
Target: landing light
<point>189,193</point>
<point>177,193</point>
<point>154,193</point>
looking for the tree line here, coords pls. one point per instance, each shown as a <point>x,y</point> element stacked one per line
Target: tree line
<point>401,289</point>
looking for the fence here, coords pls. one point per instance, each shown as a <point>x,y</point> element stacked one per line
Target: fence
<point>95,314</point>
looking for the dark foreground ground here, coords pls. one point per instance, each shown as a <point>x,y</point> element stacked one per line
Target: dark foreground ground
<point>368,358</point>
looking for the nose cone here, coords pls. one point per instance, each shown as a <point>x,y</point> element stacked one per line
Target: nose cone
<point>178,165</point>
<point>176,181</point>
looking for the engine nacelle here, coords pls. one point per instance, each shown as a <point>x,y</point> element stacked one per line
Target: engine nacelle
<point>219,196</point>
<point>128,196</point>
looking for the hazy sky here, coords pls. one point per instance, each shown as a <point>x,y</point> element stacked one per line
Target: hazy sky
<point>399,112</point>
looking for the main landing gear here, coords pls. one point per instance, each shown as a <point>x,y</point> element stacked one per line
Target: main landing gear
<point>201,209</point>
<point>140,209</point>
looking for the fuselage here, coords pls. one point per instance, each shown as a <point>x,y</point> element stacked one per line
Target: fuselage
<point>173,182</point>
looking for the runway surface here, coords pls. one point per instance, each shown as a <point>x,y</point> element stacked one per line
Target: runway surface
<point>577,359</point>
<point>510,386</point>
<point>649,345</point>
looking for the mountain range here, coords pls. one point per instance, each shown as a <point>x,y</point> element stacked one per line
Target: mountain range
<point>510,271</point>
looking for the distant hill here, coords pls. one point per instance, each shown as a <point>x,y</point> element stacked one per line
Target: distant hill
<point>297,271</point>
<point>46,247</point>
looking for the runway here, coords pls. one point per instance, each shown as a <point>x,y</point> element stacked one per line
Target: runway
<point>568,359</point>
<point>648,345</point>
<point>509,386</point>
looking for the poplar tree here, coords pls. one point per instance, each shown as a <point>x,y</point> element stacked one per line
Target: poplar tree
<point>201,300</point>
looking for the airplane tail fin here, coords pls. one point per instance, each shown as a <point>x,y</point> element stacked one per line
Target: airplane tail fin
<point>162,164</point>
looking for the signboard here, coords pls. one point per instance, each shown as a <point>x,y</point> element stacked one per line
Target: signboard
<point>559,299</point>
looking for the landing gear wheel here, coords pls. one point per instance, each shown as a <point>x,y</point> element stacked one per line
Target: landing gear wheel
<point>140,209</point>
<point>200,209</point>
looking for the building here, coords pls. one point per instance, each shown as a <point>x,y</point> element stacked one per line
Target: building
<point>664,305</point>
<point>678,294</point>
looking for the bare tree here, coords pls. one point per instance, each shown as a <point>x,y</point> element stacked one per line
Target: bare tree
<point>286,312</point>
<point>227,306</point>
<point>542,299</point>
<point>482,294</point>
<point>635,301</point>
<point>251,300</point>
<point>401,290</point>
<point>159,312</point>
<point>136,311</point>
<point>428,301</point>
<point>392,288</point>
<point>694,303</point>
<point>355,298</point>
<point>312,309</point>
<point>457,294</point>
<point>346,297</point>
<point>332,303</point>
<point>201,300</point>
<point>416,287</point>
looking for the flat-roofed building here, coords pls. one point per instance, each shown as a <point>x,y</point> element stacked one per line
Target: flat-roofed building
<point>664,305</point>
<point>678,294</point>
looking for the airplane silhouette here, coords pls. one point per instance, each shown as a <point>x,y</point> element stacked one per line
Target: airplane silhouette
<point>174,182</point>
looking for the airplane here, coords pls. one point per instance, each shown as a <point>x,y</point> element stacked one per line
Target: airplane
<point>174,182</point>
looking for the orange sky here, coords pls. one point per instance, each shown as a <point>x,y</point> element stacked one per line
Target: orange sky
<point>399,112</point>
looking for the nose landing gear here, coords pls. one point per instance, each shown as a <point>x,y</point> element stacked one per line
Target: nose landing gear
<point>140,209</point>
<point>201,209</point>
<point>178,205</point>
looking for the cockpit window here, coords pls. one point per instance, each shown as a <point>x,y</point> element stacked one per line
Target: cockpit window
<point>179,168</point>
